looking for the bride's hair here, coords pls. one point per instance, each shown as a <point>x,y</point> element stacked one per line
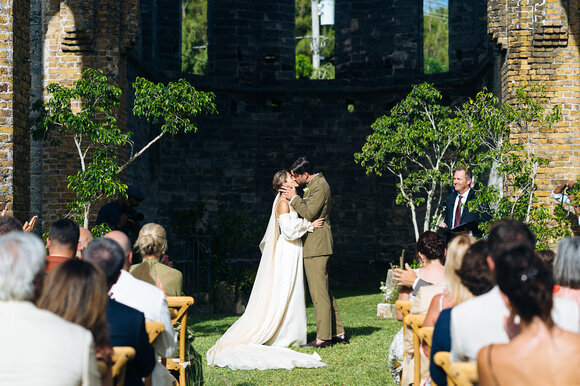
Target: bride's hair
<point>278,180</point>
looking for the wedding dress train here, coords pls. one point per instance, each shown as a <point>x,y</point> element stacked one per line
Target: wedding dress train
<point>276,313</point>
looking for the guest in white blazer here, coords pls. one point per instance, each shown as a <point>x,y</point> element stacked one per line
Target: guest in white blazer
<point>479,322</point>
<point>38,347</point>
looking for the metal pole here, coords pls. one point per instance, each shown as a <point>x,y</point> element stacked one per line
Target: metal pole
<point>315,44</point>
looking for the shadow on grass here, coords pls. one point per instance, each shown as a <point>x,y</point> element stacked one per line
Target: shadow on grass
<point>354,332</point>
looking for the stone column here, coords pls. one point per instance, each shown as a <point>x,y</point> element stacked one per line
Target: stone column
<point>14,106</point>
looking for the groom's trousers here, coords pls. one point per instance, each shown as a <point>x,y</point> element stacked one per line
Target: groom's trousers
<point>328,321</point>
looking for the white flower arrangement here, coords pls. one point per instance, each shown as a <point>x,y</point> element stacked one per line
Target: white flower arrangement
<point>306,189</point>
<point>389,293</point>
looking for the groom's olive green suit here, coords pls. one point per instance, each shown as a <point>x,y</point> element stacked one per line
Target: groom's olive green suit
<point>317,251</point>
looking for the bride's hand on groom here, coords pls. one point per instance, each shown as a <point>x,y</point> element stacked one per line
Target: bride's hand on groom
<point>318,223</point>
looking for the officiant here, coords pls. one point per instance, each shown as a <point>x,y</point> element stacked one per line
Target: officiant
<point>457,217</point>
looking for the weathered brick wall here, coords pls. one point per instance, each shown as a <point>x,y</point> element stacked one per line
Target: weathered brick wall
<point>76,35</point>
<point>540,45</point>
<point>14,106</point>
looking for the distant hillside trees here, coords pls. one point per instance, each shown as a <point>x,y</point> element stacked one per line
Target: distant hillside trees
<point>194,36</point>
<point>436,37</point>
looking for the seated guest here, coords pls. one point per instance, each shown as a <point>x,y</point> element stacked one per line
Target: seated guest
<point>547,257</point>
<point>9,224</point>
<point>77,291</point>
<point>475,279</point>
<point>38,347</point>
<point>479,321</point>
<point>85,237</point>
<point>453,289</point>
<point>152,244</point>
<point>144,297</point>
<point>434,297</point>
<point>431,253</point>
<point>566,269</point>
<point>148,299</point>
<point>62,242</point>
<point>539,353</point>
<point>126,325</point>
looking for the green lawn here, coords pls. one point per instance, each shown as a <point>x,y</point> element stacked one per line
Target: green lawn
<point>362,362</point>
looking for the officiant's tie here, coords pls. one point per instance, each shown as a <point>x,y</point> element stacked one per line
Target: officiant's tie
<point>457,219</point>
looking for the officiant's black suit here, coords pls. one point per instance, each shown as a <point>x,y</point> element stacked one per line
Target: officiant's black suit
<point>466,216</point>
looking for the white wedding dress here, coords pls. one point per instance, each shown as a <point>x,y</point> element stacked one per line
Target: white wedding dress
<point>276,313</point>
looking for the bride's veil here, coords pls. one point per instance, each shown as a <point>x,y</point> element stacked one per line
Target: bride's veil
<point>259,297</point>
<point>268,243</point>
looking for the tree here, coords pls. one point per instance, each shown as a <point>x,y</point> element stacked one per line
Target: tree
<point>86,111</point>
<point>515,161</point>
<point>436,39</point>
<point>194,36</point>
<point>420,143</point>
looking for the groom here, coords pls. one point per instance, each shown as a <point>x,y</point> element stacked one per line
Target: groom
<point>317,250</point>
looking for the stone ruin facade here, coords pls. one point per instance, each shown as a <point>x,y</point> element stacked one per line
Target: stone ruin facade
<point>266,117</point>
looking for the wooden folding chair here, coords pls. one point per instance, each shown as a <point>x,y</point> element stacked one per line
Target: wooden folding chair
<point>415,322</point>
<point>178,307</point>
<point>426,335</point>
<point>121,355</point>
<point>405,307</point>
<point>154,329</point>
<point>458,373</point>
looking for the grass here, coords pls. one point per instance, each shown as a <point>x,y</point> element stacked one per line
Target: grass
<point>362,362</point>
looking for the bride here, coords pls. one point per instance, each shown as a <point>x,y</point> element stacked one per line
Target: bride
<point>276,313</point>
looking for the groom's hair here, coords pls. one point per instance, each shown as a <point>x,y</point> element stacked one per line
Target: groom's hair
<point>302,165</point>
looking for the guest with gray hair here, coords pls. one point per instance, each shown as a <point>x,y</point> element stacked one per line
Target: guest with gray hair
<point>63,352</point>
<point>127,325</point>
<point>567,269</point>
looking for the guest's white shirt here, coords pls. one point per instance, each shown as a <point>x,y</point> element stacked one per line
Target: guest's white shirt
<point>41,348</point>
<point>480,321</point>
<point>151,301</point>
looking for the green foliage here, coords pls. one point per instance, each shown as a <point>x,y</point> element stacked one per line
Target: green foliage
<point>303,30</point>
<point>86,112</point>
<point>304,67</point>
<point>420,142</point>
<point>100,230</point>
<point>325,71</point>
<point>436,40</point>
<point>516,162</point>
<point>194,36</point>
<point>433,66</point>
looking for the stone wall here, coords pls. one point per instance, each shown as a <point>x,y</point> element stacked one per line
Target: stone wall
<point>540,44</point>
<point>267,119</point>
<point>14,106</point>
<point>74,35</point>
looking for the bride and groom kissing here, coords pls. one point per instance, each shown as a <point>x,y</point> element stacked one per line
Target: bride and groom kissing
<point>275,316</point>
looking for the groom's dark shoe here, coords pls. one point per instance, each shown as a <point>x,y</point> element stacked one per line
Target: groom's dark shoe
<point>318,344</point>
<point>342,339</point>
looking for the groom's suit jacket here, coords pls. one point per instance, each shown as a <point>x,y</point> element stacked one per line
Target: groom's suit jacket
<point>314,205</point>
